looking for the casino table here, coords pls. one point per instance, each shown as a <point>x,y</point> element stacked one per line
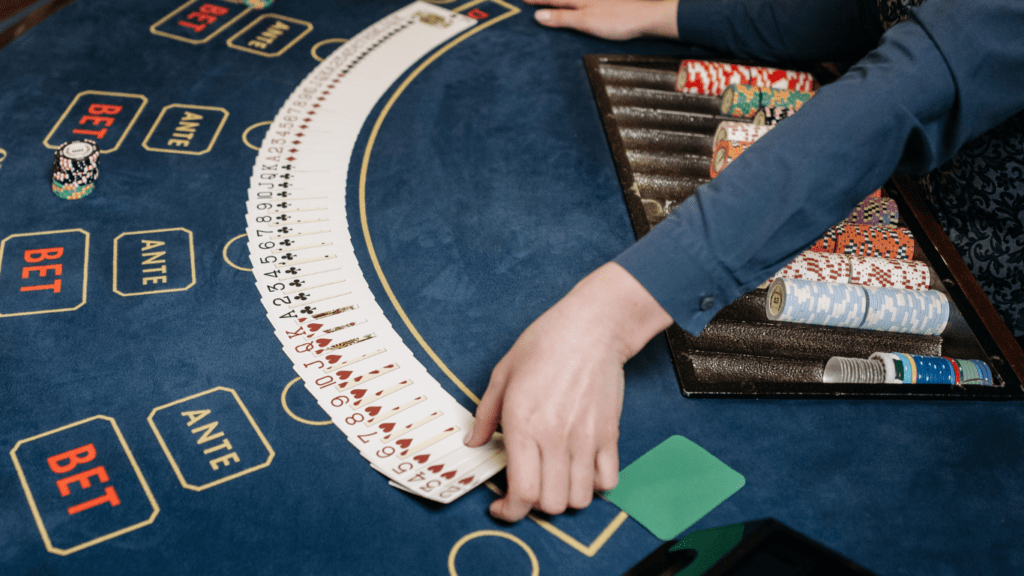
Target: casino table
<point>479,190</point>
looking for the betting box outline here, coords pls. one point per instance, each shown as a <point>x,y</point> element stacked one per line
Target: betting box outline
<point>131,123</point>
<point>174,463</point>
<point>85,270</point>
<point>35,510</point>
<point>587,550</point>
<point>153,29</point>
<point>287,47</point>
<point>191,259</point>
<point>160,117</point>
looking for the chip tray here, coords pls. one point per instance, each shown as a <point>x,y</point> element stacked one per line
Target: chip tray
<point>661,141</point>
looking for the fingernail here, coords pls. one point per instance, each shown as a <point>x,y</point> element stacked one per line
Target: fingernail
<point>469,436</point>
<point>542,15</point>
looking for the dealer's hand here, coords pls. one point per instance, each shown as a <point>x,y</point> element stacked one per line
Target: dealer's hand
<point>612,19</point>
<point>558,394</point>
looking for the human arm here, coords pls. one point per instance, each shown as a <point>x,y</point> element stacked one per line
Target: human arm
<point>611,19</point>
<point>558,393</point>
<point>935,81</point>
<point>772,30</point>
<point>945,76</point>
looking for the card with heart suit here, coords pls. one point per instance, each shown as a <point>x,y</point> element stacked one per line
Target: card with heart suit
<point>318,300</point>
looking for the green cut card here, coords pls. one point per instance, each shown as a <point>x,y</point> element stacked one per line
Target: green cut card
<point>674,485</point>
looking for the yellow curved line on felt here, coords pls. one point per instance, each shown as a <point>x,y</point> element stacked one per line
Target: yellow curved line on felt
<point>534,564</point>
<point>296,417</point>
<point>317,57</point>
<point>224,253</point>
<point>245,135</point>
<point>362,194</point>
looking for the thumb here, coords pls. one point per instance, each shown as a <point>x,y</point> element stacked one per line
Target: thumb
<point>488,413</point>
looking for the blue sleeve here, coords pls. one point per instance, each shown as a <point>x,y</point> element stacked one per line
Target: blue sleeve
<point>947,75</point>
<point>781,30</point>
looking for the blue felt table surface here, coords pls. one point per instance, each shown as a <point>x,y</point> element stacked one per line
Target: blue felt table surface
<point>490,191</point>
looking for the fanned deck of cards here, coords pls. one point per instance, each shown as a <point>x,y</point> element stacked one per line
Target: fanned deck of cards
<point>323,312</point>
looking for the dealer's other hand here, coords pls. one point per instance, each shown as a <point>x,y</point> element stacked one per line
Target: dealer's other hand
<point>611,19</point>
<point>558,394</point>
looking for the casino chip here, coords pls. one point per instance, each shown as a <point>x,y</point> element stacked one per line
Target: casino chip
<point>75,169</point>
<point>259,4</point>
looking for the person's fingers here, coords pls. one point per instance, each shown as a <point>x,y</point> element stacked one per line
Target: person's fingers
<point>554,479</point>
<point>523,481</point>
<point>607,465</point>
<point>560,18</point>
<point>488,413</point>
<point>557,3</point>
<point>581,480</point>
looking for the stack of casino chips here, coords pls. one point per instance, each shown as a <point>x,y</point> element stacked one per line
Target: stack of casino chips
<point>738,132</point>
<point>897,368</point>
<point>772,115</point>
<point>864,240</point>
<point>712,78</point>
<point>744,101</point>
<point>840,370</point>
<point>875,211</point>
<point>725,152</point>
<point>75,169</point>
<point>914,369</point>
<point>853,306</point>
<point>866,271</point>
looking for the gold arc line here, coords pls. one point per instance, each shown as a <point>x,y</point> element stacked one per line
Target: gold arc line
<point>534,564</point>
<point>362,193</point>
<point>224,253</point>
<point>294,416</point>
<point>245,135</point>
<point>317,57</point>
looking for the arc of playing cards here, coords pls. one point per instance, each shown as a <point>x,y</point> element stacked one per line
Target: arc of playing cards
<point>309,280</point>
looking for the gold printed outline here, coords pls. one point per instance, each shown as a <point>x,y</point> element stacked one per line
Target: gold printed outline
<point>245,135</point>
<point>145,143</point>
<point>224,253</point>
<point>35,510</point>
<point>534,565</point>
<point>191,257</point>
<point>85,270</point>
<point>153,29</point>
<point>287,46</point>
<point>312,51</point>
<point>174,463</point>
<point>587,550</point>
<point>131,124</point>
<point>294,416</point>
